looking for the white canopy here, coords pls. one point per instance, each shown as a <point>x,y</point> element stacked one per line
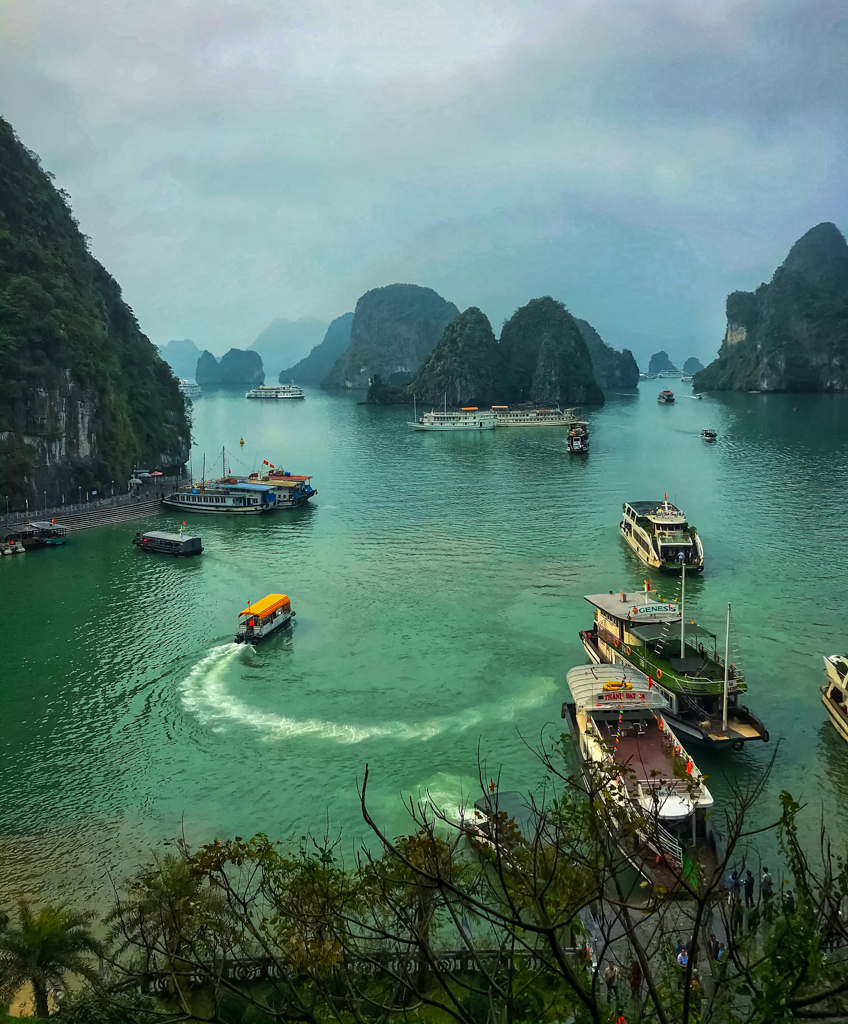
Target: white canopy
<point>613,686</point>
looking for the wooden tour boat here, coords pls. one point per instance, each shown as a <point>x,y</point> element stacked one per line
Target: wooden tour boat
<point>263,618</point>
<point>660,535</point>
<point>835,692</point>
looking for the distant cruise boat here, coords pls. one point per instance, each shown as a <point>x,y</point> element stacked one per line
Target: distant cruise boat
<point>276,391</point>
<point>470,418</point>
<point>506,417</point>
<point>190,389</point>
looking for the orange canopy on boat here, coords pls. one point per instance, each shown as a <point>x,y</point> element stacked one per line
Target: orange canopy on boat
<point>262,609</point>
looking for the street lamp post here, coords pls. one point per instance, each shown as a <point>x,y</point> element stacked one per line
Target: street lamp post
<point>80,495</point>
<point>45,501</point>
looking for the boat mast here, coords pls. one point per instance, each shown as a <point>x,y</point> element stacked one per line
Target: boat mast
<point>203,478</point>
<point>223,461</point>
<point>414,408</point>
<point>726,672</point>
<point>682,609</point>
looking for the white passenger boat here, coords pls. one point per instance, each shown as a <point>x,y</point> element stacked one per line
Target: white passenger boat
<point>469,418</point>
<point>263,617</point>
<point>190,389</point>
<point>835,692</point>
<point>577,440</point>
<point>276,392</point>
<point>506,417</point>
<point>648,790</point>
<point>289,490</point>
<point>240,498</point>
<point>660,535</point>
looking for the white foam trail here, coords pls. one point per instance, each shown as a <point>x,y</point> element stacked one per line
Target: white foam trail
<point>205,693</point>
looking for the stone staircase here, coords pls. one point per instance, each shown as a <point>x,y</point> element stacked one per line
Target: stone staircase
<point>81,517</point>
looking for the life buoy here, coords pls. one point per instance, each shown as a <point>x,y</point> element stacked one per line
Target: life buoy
<point>628,648</point>
<point>616,641</point>
<point>659,673</point>
<point>737,745</point>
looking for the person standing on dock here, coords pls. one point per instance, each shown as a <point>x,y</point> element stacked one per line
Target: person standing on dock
<point>749,889</point>
<point>766,886</point>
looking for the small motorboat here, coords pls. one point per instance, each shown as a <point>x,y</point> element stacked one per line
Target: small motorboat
<point>709,435</point>
<point>666,397</point>
<point>264,617</point>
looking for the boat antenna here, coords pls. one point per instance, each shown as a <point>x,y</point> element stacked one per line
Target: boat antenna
<point>203,480</point>
<point>682,609</point>
<point>726,673</point>
<point>414,408</point>
<point>446,402</point>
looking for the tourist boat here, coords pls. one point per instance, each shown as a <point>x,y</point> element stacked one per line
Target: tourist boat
<point>276,392</point>
<point>577,439</point>
<point>687,379</point>
<point>190,389</point>
<point>289,491</point>
<point>647,789</point>
<point>660,535</point>
<point>33,535</point>
<point>835,692</point>
<point>681,659</point>
<point>667,397</point>
<point>51,533</point>
<point>469,418</point>
<point>709,435</point>
<point>240,498</point>
<point>506,417</point>
<point>264,617</point>
<point>176,544</point>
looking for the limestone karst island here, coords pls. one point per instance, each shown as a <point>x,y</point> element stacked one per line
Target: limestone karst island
<point>423,444</point>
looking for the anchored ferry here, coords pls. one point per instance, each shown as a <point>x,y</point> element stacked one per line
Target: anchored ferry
<point>681,659</point>
<point>190,389</point>
<point>653,798</point>
<point>223,498</point>
<point>258,620</point>
<point>276,392</point>
<point>835,692</point>
<point>659,534</point>
<point>578,437</point>
<point>469,418</point>
<point>506,417</point>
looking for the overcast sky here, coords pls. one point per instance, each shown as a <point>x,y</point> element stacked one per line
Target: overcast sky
<point>237,161</point>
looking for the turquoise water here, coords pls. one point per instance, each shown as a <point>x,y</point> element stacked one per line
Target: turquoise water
<point>438,582</point>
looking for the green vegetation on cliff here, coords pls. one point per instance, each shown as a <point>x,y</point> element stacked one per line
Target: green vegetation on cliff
<point>394,329</point>
<point>320,361</point>
<point>545,358</point>
<point>235,367</point>
<point>692,365</point>
<point>660,363</point>
<point>612,369</point>
<point>465,365</point>
<point>790,334</point>
<point>85,395</point>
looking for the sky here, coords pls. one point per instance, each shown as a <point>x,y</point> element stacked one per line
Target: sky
<point>238,160</point>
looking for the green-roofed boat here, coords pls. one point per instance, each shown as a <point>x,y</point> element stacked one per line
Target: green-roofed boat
<point>681,658</point>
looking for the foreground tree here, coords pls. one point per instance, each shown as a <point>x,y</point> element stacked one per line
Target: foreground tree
<point>42,948</point>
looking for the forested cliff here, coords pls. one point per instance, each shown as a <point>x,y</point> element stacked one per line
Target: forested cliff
<point>84,395</point>
<point>790,334</point>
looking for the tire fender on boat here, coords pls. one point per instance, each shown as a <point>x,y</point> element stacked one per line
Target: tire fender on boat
<point>737,745</point>
<point>766,736</point>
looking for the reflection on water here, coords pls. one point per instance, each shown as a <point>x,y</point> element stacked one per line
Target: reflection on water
<point>438,582</point>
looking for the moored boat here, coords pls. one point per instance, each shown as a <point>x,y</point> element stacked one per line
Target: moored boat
<point>289,490</point>
<point>666,397</point>
<point>469,418</point>
<point>241,498</point>
<point>276,392</point>
<point>263,617</point>
<point>646,787</point>
<point>660,535</point>
<point>160,543</point>
<point>835,692</point>
<point>682,661</point>
<point>521,417</point>
<point>190,389</point>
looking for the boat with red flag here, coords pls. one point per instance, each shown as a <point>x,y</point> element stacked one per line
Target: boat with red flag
<point>261,618</point>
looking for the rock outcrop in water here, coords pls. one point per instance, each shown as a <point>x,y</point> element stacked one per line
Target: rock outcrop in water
<point>545,358</point>
<point>235,367</point>
<point>465,365</point>
<point>660,363</point>
<point>182,357</point>
<point>394,329</point>
<point>84,395</point>
<point>692,365</point>
<point>790,334</point>
<point>612,369</point>
<point>285,342</point>
<point>320,361</point>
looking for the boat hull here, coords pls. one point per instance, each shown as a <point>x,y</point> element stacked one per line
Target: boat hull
<point>249,510</point>
<point>650,559</point>
<point>254,638</point>
<point>442,429</point>
<point>840,722</point>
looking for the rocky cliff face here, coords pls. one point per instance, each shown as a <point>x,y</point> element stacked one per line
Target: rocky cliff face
<point>545,358</point>
<point>84,395</point>
<point>237,367</point>
<point>660,363</point>
<point>612,369</point>
<point>394,329</point>
<point>692,365</point>
<point>320,361</point>
<point>465,365</point>
<point>790,334</point>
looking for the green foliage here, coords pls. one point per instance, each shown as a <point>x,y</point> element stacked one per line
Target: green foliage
<point>612,369</point>
<point>237,366</point>
<point>465,364</point>
<point>67,337</point>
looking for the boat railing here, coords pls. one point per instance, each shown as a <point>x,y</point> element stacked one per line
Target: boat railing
<point>662,841</point>
<point>686,684</point>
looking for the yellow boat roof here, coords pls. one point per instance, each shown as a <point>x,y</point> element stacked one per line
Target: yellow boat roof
<point>262,609</point>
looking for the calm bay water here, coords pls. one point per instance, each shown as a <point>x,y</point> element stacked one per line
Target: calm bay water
<point>439,586</point>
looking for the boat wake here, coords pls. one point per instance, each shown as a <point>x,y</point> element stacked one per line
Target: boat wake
<point>204,692</point>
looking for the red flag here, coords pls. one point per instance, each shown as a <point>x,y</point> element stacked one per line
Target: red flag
<point>183,522</point>
<point>272,465</point>
<point>650,682</point>
<point>264,462</point>
<point>665,497</point>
